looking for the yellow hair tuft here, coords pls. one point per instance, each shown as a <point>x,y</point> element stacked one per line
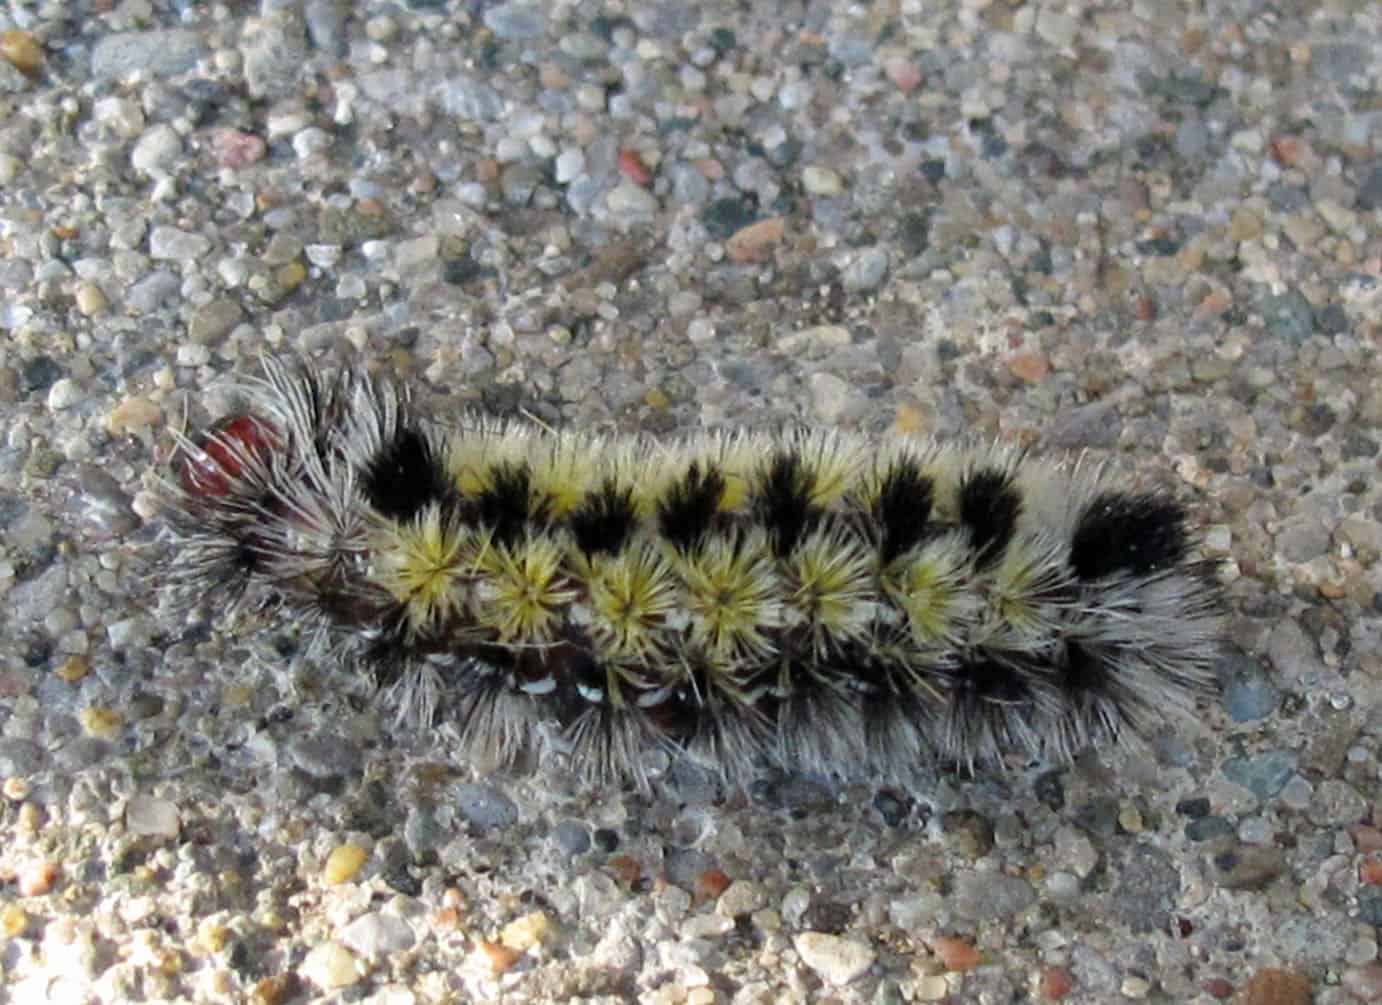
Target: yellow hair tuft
<point>424,564</point>
<point>523,589</point>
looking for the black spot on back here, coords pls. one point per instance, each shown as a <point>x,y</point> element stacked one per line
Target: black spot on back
<point>987,679</point>
<point>1083,671</point>
<point>689,509</point>
<point>902,511</point>
<point>989,505</point>
<point>509,505</point>
<point>1127,533</point>
<point>782,501</point>
<point>406,476</point>
<point>605,519</point>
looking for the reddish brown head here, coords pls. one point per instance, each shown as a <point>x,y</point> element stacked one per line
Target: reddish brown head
<point>223,451</point>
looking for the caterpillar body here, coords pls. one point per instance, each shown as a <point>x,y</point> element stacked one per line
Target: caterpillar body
<point>809,600</point>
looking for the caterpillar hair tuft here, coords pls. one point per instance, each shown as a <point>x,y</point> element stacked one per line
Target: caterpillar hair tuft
<point>809,600</point>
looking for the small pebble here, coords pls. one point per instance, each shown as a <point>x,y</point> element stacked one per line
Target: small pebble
<point>153,817</point>
<point>90,300</point>
<point>237,150</point>
<point>1248,867</point>
<point>741,898</point>
<point>64,394</point>
<point>528,931</point>
<point>331,965</point>
<point>836,959</point>
<point>866,271</point>
<point>755,242</point>
<point>485,807</point>
<point>36,878</point>
<point>1055,983</point>
<point>343,864</point>
<point>377,934</point>
<point>821,181</point>
<point>101,723</point>
<point>1265,774</point>
<point>956,955</point>
<point>631,166</point>
<point>22,51</point>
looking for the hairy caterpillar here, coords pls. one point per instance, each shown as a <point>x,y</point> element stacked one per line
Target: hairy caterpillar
<point>809,600</point>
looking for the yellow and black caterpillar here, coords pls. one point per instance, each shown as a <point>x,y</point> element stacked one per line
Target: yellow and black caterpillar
<point>811,600</point>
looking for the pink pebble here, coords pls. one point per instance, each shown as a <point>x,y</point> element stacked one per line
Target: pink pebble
<point>236,150</point>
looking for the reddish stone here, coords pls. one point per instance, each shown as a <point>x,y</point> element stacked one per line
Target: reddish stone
<point>631,166</point>
<point>1055,983</point>
<point>235,150</point>
<point>956,955</point>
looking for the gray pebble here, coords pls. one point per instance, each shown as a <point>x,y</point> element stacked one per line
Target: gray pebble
<point>1248,867</point>
<point>153,291</point>
<point>19,757</point>
<point>275,55</point>
<point>630,203</point>
<point>1289,316</point>
<point>1192,139</point>
<point>572,837</point>
<point>1302,538</point>
<point>990,896</point>
<point>1336,803</point>
<point>1370,189</point>
<point>325,756</point>
<point>518,182</point>
<point>107,509</point>
<point>326,25</point>
<point>1149,882</point>
<point>1339,62</point>
<point>470,99</point>
<point>485,807</point>
<point>172,244</point>
<point>421,831</point>
<point>214,320</point>
<point>1370,905</point>
<point>1248,693</point>
<point>156,53</point>
<point>152,817</point>
<point>1263,774</point>
<point>1096,424</point>
<point>689,186</point>
<point>515,21</point>
<point>1208,829</point>
<point>30,600</point>
<point>1292,652</point>
<point>867,270</point>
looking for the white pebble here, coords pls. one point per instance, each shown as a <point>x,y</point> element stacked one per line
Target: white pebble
<point>155,150</point>
<point>193,355</point>
<point>330,966</point>
<point>148,815</point>
<point>570,164</point>
<point>63,394</point>
<point>819,180</point>
<point>837,960</point>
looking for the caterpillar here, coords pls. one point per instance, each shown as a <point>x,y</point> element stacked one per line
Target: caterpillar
<point>807,600</point>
